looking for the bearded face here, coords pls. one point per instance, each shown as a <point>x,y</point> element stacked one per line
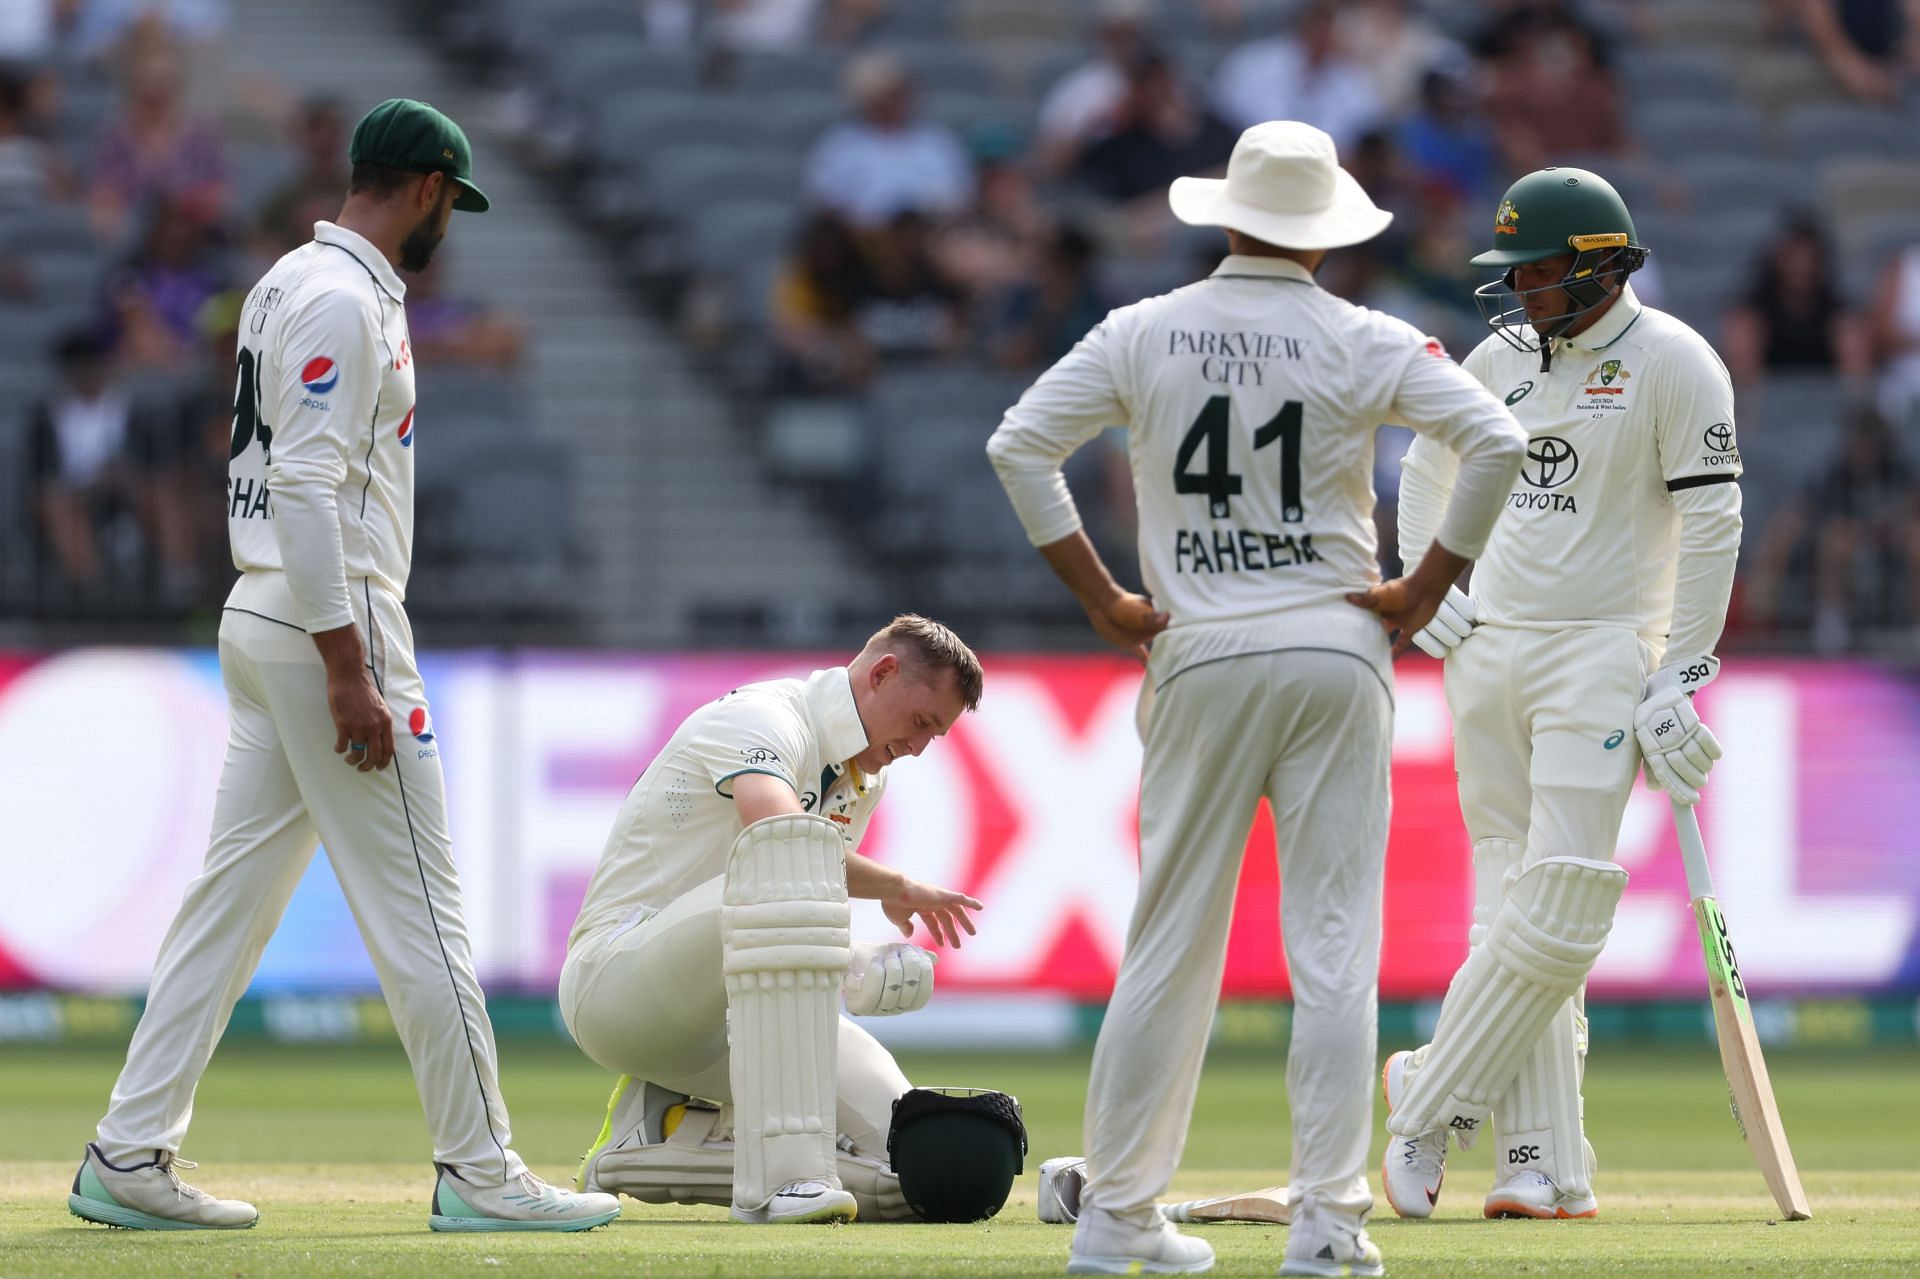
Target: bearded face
<point>416,251</point>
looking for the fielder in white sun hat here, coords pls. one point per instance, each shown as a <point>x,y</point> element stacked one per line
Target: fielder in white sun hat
<point>1284,186</point>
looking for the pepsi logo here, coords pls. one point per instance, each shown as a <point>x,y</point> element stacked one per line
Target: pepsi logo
<point>406,430</point>
<point>419,725</point>
<point>320,375</point>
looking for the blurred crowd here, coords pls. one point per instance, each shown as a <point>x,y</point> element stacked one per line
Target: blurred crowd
<point>145,182</point>
<point>1001,241</point>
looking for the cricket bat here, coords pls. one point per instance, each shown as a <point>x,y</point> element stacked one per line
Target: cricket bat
<point>1270,1206</point>
<point>1748,1088</point>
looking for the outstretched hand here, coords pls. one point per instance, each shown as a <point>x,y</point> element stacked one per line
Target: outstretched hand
<point>942,910</point>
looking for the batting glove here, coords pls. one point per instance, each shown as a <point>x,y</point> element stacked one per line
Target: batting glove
<point>1453,623</point>
<point>887,977</point>
<point>1678,749</point>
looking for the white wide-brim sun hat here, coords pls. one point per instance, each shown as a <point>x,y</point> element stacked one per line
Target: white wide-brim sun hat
<point>1285,186</point>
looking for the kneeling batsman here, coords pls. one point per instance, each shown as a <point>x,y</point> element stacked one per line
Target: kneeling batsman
<point>950,1154</point>
<point>712,955</point>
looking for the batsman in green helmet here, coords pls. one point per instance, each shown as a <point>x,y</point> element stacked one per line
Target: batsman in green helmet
<point>1571,668</point>
<point>1565,245</point>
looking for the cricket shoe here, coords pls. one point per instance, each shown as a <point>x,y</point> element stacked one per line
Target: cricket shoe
<point>524,1203</point>
<point>1534,1194</point>
<point>1338,1247</point>
<point>801,1203</point>
<point>150,1196</point>
<point>1413,1167</point>
<point>1105,1245</point>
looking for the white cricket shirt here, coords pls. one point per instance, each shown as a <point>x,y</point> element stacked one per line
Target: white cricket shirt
<point>1250,401</point>
<point>1627,501</point>
<point>678,823</point>
<point>320,475</point>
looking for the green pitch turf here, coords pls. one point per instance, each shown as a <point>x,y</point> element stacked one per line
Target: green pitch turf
<point>329,1143</point>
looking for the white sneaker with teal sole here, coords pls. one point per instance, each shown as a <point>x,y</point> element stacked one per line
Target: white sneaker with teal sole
<point>150,1196</point>
<point>525,1203</point>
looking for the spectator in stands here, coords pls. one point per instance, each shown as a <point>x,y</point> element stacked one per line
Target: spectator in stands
<point>1082,105</point>
<point>760,26</point>
<point>201,433</point>
<point>910,309</point>
<point>29,175</point>
<point>102,24</point>
<point>1552,93</point>
<point>1160,133</point>
<point>1396,46</point>
<point>815,296</point>
<point>29,28</point>
<point>452,330</point>
<point>1868,45</point>
<point>1302,76</point>
<point>995,247</point>
<point>1042,318</point>
<point>92,462</point>
<point>1447,145</point>
<point>886,161</point>
<point>157,301</point>
<point>1793,318</point>
<point>154,151</point>
<point>1893,336</point>
<point>313,193</point>
<point>1849,543</point>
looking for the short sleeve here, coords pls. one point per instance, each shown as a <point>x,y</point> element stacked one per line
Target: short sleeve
<point>747,732</point>
<point>1694,416</point>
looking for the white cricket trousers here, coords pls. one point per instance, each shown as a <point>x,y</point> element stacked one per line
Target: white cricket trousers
<point>284,789</point>
<point>650,1001</point>
<point>1311,730</point>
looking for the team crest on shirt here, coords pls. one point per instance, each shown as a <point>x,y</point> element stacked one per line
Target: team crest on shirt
<point>1606,383</point>
<point>1606,373</point>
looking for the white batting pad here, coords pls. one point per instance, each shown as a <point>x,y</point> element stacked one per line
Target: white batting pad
<point>783,929</point>
<point>1543,941</point>
<point>1537,1120</point>
<point>1496,864</point>
<point>690,1167</point>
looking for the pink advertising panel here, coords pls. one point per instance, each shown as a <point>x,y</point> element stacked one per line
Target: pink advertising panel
<point>1030,804</point>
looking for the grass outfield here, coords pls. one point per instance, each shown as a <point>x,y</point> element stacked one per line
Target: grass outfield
<point>329,1143</point>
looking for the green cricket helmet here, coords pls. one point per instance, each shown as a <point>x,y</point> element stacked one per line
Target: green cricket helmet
<point>1547,213</point>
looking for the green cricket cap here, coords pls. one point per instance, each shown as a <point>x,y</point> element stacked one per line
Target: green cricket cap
<point>404,134</point>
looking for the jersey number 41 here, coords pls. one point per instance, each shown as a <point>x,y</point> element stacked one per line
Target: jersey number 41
<point>1219,482</point>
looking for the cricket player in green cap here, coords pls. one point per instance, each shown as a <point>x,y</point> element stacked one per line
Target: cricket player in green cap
<point>331,738</point>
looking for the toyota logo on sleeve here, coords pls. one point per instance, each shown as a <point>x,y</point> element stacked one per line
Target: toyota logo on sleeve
<point>1720,437</point>
<point>1550,462</point>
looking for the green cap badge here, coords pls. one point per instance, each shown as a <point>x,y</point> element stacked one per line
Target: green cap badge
<point>412,136</point>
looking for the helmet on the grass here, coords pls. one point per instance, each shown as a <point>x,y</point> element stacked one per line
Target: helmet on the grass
<point>1547,213</point>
